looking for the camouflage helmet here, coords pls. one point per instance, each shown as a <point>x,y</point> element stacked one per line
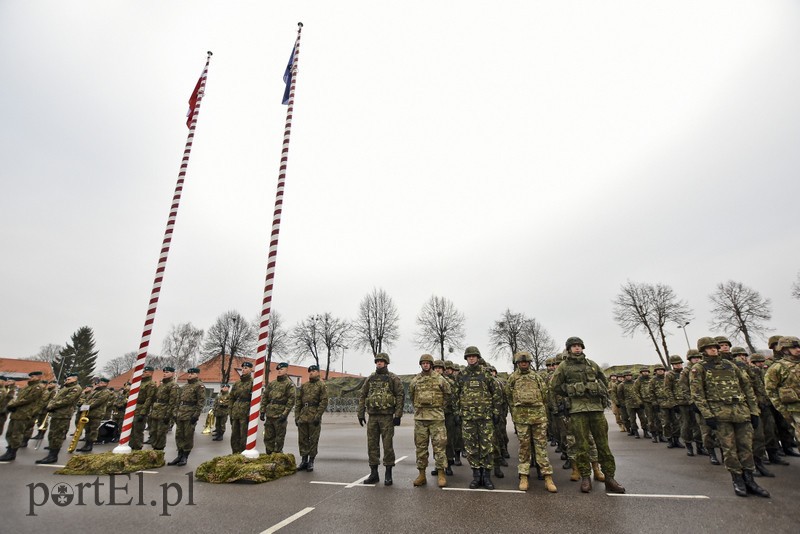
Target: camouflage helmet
<point>693,353</point>
<point>787,342</point>
<point>659,367</point>
<point>438,363</point>
<point>560,357</point>
<point>738,350</point>
<point>382,356</point>
<point>523,356</point>
<point>773,340</point>
<point>675,359</point>
<point>705,342</point>
<point>471,351</point>
<point>491,368</point>
<point>449,364</point>
<point>722,339</point>
<point>757,358</point>
<point>575,341</point>
<point>626,372</point>
<point>426,358</point>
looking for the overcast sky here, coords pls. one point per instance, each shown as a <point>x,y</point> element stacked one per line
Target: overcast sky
<point>524,155</point>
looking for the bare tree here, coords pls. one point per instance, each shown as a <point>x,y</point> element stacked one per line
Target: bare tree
<point>509,332</point>
<point>277,339</point>
<point>376,325</point>
<point>48,353</point>
<point>739,309</point>
<point>120,364</point>
<point>796,288</point>
<point>181,345</point>
<point>539,342</point>
<point>633,311</point>
<point>232,335</point>
<point>306,338</point>
<point>334,334</point>
<point>440,324</point>
<point>666,308</point>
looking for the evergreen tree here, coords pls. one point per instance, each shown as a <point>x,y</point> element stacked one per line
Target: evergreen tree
<point>78,356</point>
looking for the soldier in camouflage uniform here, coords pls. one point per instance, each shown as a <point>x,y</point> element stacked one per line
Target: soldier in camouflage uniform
<point>144,403</point>
<point>782,382</point>
<point>439,366</point>
<point>240,408</point>
<point>500,451</point>
<point>740,359</point>
<point>451,372</point>
<point>60,409</point>
<point>478,407</point>
<point>191,400</point>
<point>6,394</point>
<point>312,401</point>
<point>650,406</point>
<point>97,402</point>
<point>629,394</point>
<point>723,395</point>
<point>677,385</point>
<point>277,402</point>
<point>49,394</point>
<point>118,415</point>
<point>584,384</point>
<point>23,410</point>
<point>429,392</point>
<point>771,442</point>
<point>782,426</point>
<point>670,427</point>
<point>382,397</point>
<point>526,392</point>
<point>222,406</point>
<point>613,384</point>
<point>162,414</point>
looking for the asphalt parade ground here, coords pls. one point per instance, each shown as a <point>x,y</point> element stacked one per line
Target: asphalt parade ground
<point>667,491</point>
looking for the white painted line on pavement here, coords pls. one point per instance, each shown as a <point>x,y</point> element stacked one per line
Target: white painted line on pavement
<point>51,465</point>
<point>484,489</point>
<point>276,527</point>
<point>347,484</point>
<point>360,480</point>
<point>663,496</point>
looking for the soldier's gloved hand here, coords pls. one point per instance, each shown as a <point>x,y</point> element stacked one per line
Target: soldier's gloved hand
<point>194,420</point>
<point>496,419</point>
<point>262,416</point>
<point>712,423</point>
<point>283,418</point>
<point>316,422</point>
<point>754,420</point>
<point>396,421</point>
<point>362,421</point>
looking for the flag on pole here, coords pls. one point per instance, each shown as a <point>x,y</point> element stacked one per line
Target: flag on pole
<point>287,79</point>
<point>193,102</point>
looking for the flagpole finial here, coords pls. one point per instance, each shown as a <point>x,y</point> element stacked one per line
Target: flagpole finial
<point>210,53</point>
<point>300,24</point>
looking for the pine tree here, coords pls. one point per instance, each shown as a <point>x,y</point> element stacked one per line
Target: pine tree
<point>78,356</point>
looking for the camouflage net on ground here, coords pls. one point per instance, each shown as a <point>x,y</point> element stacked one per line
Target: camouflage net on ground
<point>109,463</point>
<point>237,468</point>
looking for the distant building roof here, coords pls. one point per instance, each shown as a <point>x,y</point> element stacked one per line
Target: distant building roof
<point>15,368</point>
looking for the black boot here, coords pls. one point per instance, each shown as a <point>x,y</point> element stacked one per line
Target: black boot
<point>774,459</point>
<point>487,478</point>
<point>9,456</point>
<point>712,457</point>
<point>636,434</point>
<point>646,434</point>
<point>51,458</point>
<point>476,478</point>
<point>303,463</point>
<point>86,448</point>
<point>457,460</point>
<point>567,464</point>
<point>497,472</point>
<point>752,486</point>
<point>434,471</point>
<point>503,462</point>
<point>661,438</point>
<point>506,455</point>
<point>373,475</point>
<point>218,437</point>
<point>701,451</point>
<point>184,457</point>
<point>654,435</point>
<point>539,475</point>
<point>177,458</point>
<point>689,451</point>
<point>448,471</point>
<point>564,455</point>
<point>310,464</point>
<point>739,487</point>
<point>762,470</point>
<point>789,451</point>
<point>387,477</point>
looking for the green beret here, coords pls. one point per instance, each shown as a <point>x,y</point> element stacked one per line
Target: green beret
<point>35,373</point>
<point>168,369</point>
<point>225,385</point>
<point>193,370</point>
<point>282,365</point>
<point>106,380</point>
<point>247,364</point>
<point>149,368</point>
<point>313,368</point>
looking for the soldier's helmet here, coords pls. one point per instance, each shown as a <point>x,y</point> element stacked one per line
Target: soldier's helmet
<point>722,339</point>
<point>560,357</point>
<point>773,341</point>
<point>491,368</point>
<point>787,342</point>
<point>757,358</point>
<point>659,367</point>
<point>738,350</point>
<point>426,358</point>
<point>382,356</point>
<point>449,364</point>
<point>705,342</point>
<point>471,351</point>
<point>693,353</point>
<point>675,359</point>
<point>438,363</point>
<point>575,341</point>
<point>627,372</point>
<point>524,356</point>
<point>550,361</point>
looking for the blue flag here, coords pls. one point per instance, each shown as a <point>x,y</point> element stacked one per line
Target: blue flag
<point>287,78</point>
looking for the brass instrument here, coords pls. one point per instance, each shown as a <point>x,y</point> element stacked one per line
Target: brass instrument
<point>43,426</point>
<point>78,431</point>
<point>210,421</point>
<point>40,436</point>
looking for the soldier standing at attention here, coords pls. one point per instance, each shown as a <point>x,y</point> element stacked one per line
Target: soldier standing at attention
<point>584,384</point>
<point>527,393</point>
<point>221,409</point>
<point>633,405</point>
<point>646,394</point>
<point>97,403</point>
<point>726,401</point>
<point>664,404</point>
<point>240,408</point>
<point>23,410</point>
<point>312,401</point>
<point>144,402</point>
<point>382,397</point>
<point>162,414</point>
<point>440,366</point>
<point>782,382</point>
<point>49,394</point>
<point>120,402</point>
<point>191,400</point>
<point>429,392</point>
<point>681,397</point>
<point>479,407</point>
<point>771,441</point>
<point>60,409</point>
<point>277,402</point>
<point>451,371</point>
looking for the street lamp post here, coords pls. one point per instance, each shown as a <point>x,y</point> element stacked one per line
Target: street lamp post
<point>685,334</point>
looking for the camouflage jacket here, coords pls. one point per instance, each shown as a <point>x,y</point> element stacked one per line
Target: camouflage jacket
<point>720,389</point>
<point>222,404</point>
<point>147,393</point>
<point>501,387</point>
<point>583,383</point>
<point>782,383</point>
<point>241,392</point>
<point>450,403</point>
<point>629,396</point>
<point>478,395</point>
<point>26,405</point>
<point>165,401</point>
<point>429,393</point>
<point>191,401</point>
<point>278,399</point>
<point>4,398</point>
<point>312,401</point>
<point>612,392</point>
<point>382,394</point>
<point>98,401</point>
<point>643,388</point>
<point>759,387</point>
<point>62,406</point>
<point>527,396</point>
<point>658,386</point>
<point>49,394</point>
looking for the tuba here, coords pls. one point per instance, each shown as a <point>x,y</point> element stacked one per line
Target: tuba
<point>210,420</point>
<point>78,431</point>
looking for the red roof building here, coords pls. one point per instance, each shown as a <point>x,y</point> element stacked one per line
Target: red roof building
<point>14,368</point>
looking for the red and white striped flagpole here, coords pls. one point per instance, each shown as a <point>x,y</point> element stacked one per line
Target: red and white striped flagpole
<point>258,377</point>
<point>138,369</point>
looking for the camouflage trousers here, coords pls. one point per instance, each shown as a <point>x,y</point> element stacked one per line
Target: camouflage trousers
<point>478,442</point>
<point>308,438</point>
<point>586,425</point>
<point>158,432</point>
<point>653,417</point>
<point>639,412</point>
<point>670,426</point>
<point>459,442</point>
<point>736,442</point>
<point>533,443</point>
<point>57,433</point>
<point>435,434</point>
<point>502,428</point>
<point>238,434</point>
<point>137,432</point>
<point>617,415</point>
<point>3,417</point>
<point>274,434</point>
<point>690,430</point>
<point>623,415</point>
<point>572,448</point>
<point>380,428</point>
<point>15,434</point>
<point>709,436</point>
<point>450,427</point>
<point>220,421</point>
<point>770,430</point>
<point>92,429</point>
<point>184,435</point>
<point>793,418</point>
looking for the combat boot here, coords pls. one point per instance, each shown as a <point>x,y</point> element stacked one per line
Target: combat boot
<point>689,450</point>
<point>549,485</point>
<point>9,456</point>
<point>636,434</point>
<point>646,434</point>
<point>762,470</point>
<point>539,475</point>
<point>612,486</point>
<point>373,475</point>
<point>622,428</point>
<point>457,460</point>
<point>51,458</point>
<point>503,462</point>
<point>752,486</point>
<point>434,471</point>
<point>598,474</point>
<point>303,463</point>
<point>497,472</point>
<point>774,459</point>
<point>661,438</point>
<point>420,480</point>
<point>310,464</point>
<point>442,480</point>
<point>523,482</point>
<point>487,479</point>
<point>567,464</point>
<point>564,456</point>
<point>218,437</point>
<point>654,437</point>
<point>701,451</point>
<point>86,448</point>
<point>447,470</point>
<point>712,457</point>
<point>787,450</point>
<point>671,443</point>
<point>184,457</point>
<point>387,477</point>
<point>506,455</point>
<point>586,484</point>
<point>476,479</point>
<point>177,459</point>
<point>576,474</point>
<point>739,487</point>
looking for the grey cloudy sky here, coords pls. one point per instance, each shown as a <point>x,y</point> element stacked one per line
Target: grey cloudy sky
<point>529,155</point>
